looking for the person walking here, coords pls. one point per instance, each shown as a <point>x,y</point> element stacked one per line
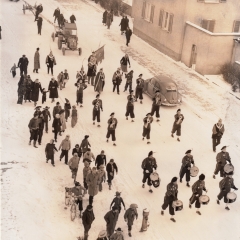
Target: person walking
<point>65,146</point>
<point>72,18</point>
<point>130,106</point>
<point>112,125</point>
<point>44,95</point>
<point>65,78</point>
<point>28,92</point>
<point>88,156</point>
<point>117,202</point>
<point>148,164</point>
<point>92,68</point>
<point>73,165</point>
<point>40,128</point>
<point>147,127</point>
<point>118,235</point>
<point>86,171</point>
<point>221,158</point>
<point>56,14</point>
<point>123,25</point>
<point>93,181</point>
<point>99,81</point>
<point>130,216</point>
<point>80,87</point>
<point>36,61</point>
<point>53,89</point>
<point>50,61</point>
<point>111,168</point>
<point>109,19</point>
<point>111,219</point>
<point>157,101</point>
<point>177,124</point>
<point>81,75</point>
<point>33,128</point>
<point>186,166</point>
<point>23,65</point>
<point>39,9</point>
<point>67,107</point>
<point>217,133</point>
<point>128,35</point>
<point>97,105</point>
<point>13,70</point>
<point>129,78</point>
<point>117,79</point>
<point>63,121</point>
<point>77,150</point>
<point>85,144</point>
<point>124,63</point>
<point>100,160</point>
<point>60,80</point>
<point>74,116</point>
<point>56,109</point>
<point>87,220</point>
<point>139,88</point>
<point>46,114</point>
<point>102,176</point>
<point>21,89</point>
<point>170,196</point>
<point>39,25</point>
<point>35,88</point>
<point>104,18</point>
<point>56,125</point>
<point>49,151</point>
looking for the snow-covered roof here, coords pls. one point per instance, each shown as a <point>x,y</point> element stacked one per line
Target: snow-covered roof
<point>129,2</point>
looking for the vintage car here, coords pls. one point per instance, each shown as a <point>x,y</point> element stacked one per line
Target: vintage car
<point>167,87</point>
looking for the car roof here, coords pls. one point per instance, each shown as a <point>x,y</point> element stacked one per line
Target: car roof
<point>71,26</point>
<point>165,81</point>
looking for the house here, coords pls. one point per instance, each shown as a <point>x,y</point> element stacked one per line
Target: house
<point>200,33</point>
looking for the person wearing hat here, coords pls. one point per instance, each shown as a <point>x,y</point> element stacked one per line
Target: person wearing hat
<point>53,89</point>
<point>36,61</point>
<point>56,125</point>
<point>217,133</point>
<point>50,61</point>
<point>117,201</point>
<point>56,14</point>
<point>102,235</point>
<point>13,70</point>
<point>222,158</point>
<point>118,235</point>
<point>147,127</point>
<point>23,65</point>
<point>73,165</point>
<point>81,75</point>
<point>97,105</point>
<point>197,191</point>
<point>130,106</point>
<point>46,114</point>
<point>111,219</point>
<point>149,164</point>
<point>39,25</point>
<point>56,109</point>
<point>124,62</point>
<point>38,110</point>
<point>102,175</point>
<point>129,78</point>
<point>77,150</point>
<point>117,79</point>
<point>79,94</point>
<point>65,146</point>
<point>88,156</point>
<point>129,217</point>
<point>33,128</point>
<point>93,181</point>
<point>170,196</point>
<point>86,171</point>
<point>139,88</point>
<point>111,168</point>
<point>99,81</point>
<point>28,87</point>
<point>72,18</point>
<point>186,166</point>
<point>128,35</point>
<point>67,107</point>
<point>101,160</point>
<point>44,95</point>
<point>87,220</point>
<point>225,186</point>
<point>92,68</point>
<point>177,124</point>
<point>65,78</point>
<point>74,116</point>
<point>60,80</point>
<point>157,101</point>
<point>112,125</point>
<point>39,9</point>
<point>21,89</point>
<point>35,89</point>
<point>85,144</point>
<point>40,128</point>
<point>49,151</point>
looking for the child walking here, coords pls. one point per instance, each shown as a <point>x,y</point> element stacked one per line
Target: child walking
<point>13,70</point>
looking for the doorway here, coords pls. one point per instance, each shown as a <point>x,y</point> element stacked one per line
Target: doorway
<point>193,57</point>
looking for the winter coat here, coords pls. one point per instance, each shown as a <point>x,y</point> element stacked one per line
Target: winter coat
<point>56,125</point>
<point>111,219</point>
<point>149,164</point>
<point>46,114</point>
<point>217,131</point>
<point>117,236</point>
<point>222,158</point>
<point>35,91</point>
<point>129,77</point>
<point>56,13</point>
<point>112,123</point>
<point>50,61</point>
<point>125,61</point>
<point>36,60</point>
<point>39,22</point>
<point>100,160</point>
<point>87,217</point>
<point>84,145</point>
<point>53,89</point>
<point>100,78</point>
<point>187,161</point>
<point>226,184</point>
<point>93,181</point>
<point>23,63</point>
<point>28,86</point>
<point>130,215</point>
<point>56,110</point>
<point>78,151</point>
<point>104,19</point>
<point>117,78</point>
<point>86,171</point>
<point>117,203</point>
<point>128,33</point>
<point>60,78</point>
<point>123,24</point>
<point>79,92</point>
<point>147,122</point>
<point>111,168</point>
<point>65,144</point>
<point>49,150</point>
<point>63,122</point>
<point>92,66</point>
<point>109,18</point>
<point>72,19</point>
<point>33,123</point>
<point>97,106</point>
<point>41,123</point>
<point>74,162</point>
<point>88,156</point>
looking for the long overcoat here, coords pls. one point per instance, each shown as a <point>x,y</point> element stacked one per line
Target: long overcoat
<point>111,219</point>
<point>36,60</point>
<point>35,91</point>
<point>53,89</point>
<point>93,181</point>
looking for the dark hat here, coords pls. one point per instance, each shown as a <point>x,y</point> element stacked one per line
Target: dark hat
<point>97,95</point>
<point>131,91</point>
<point>77,184</point>
<point>37,48</point>
<point>58,103</point>
<point>77,145</point>
<point>111,160</point>
<point>202,177</point>
<point>114,208</point>
<point>86,136</point>
<point>174,179</point>
<point>61,111</point>
<point>179,110</point>
<point>148,114</point>
<point>66,100</point>
<point>188,151</point>
<point>118,193</point>
<point>230,173</point>
<point>150,153</point>
<point>102,151</point>
<point>38,107</point>
<point>119,230</point>
<point>112,114</point>
<point>89,207</point>
<point>140,75</point>
<point>131,71</point>
<point>157,91</point>
<point>24,55</point>
<point>46,107</point>
<point>223,147</point>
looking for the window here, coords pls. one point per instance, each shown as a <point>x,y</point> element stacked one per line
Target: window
<point>236,26</point>
<point>208,24</point>
<point>148,11</point>
<point>212,1</point>
<point>165,20</point>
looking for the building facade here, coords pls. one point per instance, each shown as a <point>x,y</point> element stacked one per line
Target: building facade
<point>200,33</point>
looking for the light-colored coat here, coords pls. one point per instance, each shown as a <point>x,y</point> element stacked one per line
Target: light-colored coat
<point>73,162</point>
<point>111,219</point>
<point>130,215</point>
<point>65,145</point>
<point>36,60</point>
<point>116,236</point>
<point>63,122</point>
<point>93,181</point>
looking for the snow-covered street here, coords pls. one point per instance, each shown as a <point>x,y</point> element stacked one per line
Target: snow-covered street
<point>32,191</point>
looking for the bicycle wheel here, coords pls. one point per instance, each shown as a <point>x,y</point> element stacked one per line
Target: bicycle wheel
<point>73,211</point>
<point>67,198</point>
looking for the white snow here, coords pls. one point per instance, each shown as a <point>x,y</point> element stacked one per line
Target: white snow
<point>32,201</point>
<point>129,2</point>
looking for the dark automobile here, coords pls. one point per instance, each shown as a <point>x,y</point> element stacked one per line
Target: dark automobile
<point>167,87</point>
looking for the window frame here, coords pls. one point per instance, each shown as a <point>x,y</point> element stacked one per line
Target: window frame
<point>234,25</point>
<point>148,11</point>
<point>165,23</point>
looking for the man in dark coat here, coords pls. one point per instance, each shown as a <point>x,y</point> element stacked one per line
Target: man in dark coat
<point>56,14</point>
<point>53,89</point>
<point>222,158</point>
<point>111,168</point>
<point>104,19</point>
<point>39,25</point>
<point>117,202</point>
<point>112,125</point>
<point>111,219</point>
<point>21,89</point>
<point>129,217</point>
<point>87,220</point>
<point>28,92</point>
<point>157,101</point>
<point>36,86</point>
<point>117,79</point>
<point>56,109</point>
<point>61,20</point>
<point>23,64</point>
<point>100,160</point>
<point>39,9</point>
<point>170,196</point>
<point>56,126</point>
<point>129,78</point>
<point>49,151</point>
<point>177,124</point>
<point>148,164</point>
<point>123,25</point>
<point>139,88</point>
<point>128,35</point>
<point>97,105</point>
<point>130,106</point>
<point>36,61</point>
<point>40,128</point>
<point>33,128</point>
<point>46,114</point>
<point>147,121</point>
<point>72,18</point>
<point>217,133</point>
<point>186,166</point>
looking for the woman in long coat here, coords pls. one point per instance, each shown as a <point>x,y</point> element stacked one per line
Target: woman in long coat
<point>104,19</point>
<point>53,89</point>
<point>99,81</point>
<point>56,126</point>
<point>50,61</point>
<point>124,62</point>
<point>21,89</point>
<point>36,61</point>
<point>28,89</point>
<point>129,217</point>
<point>36,86</point>
<point>49,150</point>
<point>63,121</point>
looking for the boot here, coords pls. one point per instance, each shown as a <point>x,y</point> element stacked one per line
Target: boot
<point>34,144</point>
<point>172,219</point>
<point>178,139</point>
<point>148,142</point>
<point>198,212</point>
<point>141,102</point>
<point>143,186</point>
<point>110,187</point>
<point>150,190</point>
<point>29,142</point>
<point>98,125</point>
<point>172,135</point>
<point>227,208</point>
<point>129,234</point>
<point>190,206</point>
<point>218,202</point>
<point>188,184</point>
<point>214,176</point>
<point>162,212</point>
